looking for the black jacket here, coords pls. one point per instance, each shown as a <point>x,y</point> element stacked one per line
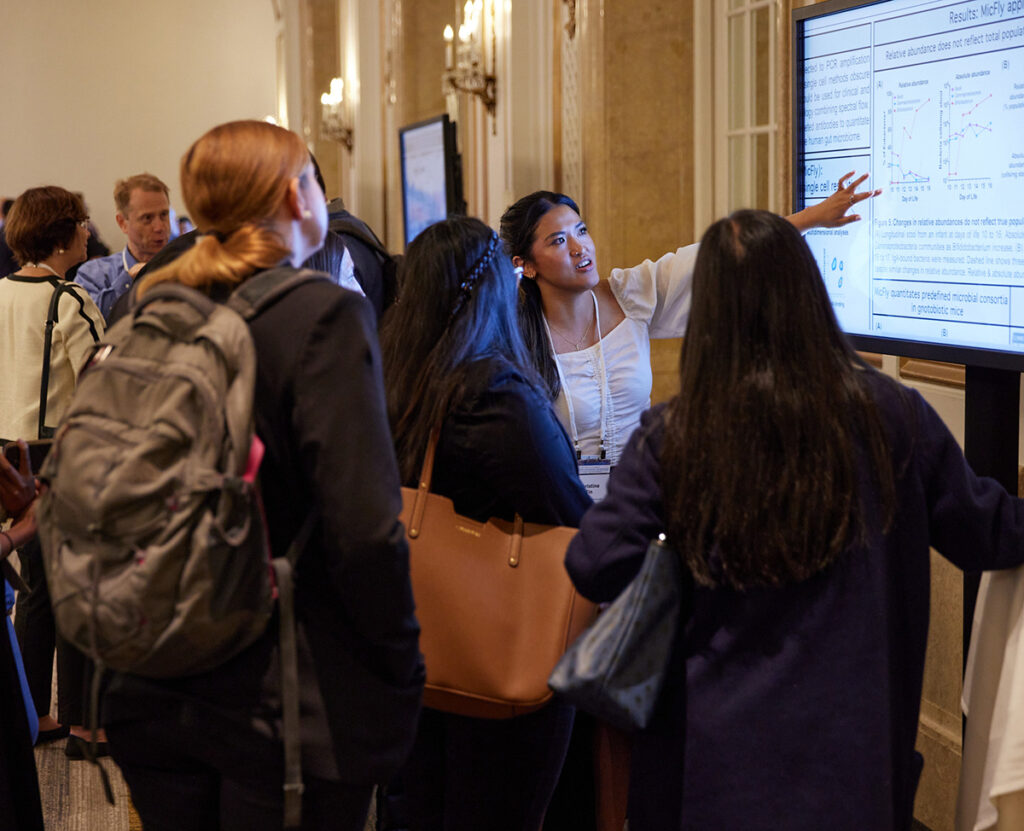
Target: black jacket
<point>503,451</point>
<point>320,411</point>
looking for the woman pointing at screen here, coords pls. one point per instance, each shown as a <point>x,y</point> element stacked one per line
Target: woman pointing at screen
<point>590,338</point>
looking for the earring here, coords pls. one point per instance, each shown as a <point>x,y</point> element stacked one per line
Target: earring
<point>60,250</point>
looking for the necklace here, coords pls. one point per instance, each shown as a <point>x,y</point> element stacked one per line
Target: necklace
<point>45,267</point>
<point>576,344</point>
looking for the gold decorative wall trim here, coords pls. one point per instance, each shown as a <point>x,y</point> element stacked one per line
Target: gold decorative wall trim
<point>571,125</point>
<point>570,26</point>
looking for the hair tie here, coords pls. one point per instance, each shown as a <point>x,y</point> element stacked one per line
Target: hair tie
<point>469,282</point>
<point>220,236</point>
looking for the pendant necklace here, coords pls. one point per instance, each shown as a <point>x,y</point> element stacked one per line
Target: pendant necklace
<point>577,345</point>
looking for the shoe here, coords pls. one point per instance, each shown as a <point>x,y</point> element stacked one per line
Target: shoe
<point>53,735</point>
<point>78,748</point>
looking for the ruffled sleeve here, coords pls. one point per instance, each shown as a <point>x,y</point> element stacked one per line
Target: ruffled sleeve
<point>658,292</point>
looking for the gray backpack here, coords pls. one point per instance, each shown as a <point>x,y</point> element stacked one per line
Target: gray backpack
<point>152,532</point>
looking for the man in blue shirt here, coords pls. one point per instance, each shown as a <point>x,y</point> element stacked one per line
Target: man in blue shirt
<point>143,213</point>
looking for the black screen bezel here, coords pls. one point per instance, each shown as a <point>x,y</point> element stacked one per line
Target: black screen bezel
<point>454,203</point>
<point>927,350</point>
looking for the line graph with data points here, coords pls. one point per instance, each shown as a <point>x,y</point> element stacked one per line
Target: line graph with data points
<point>965,128</point>
<point>905,135</point>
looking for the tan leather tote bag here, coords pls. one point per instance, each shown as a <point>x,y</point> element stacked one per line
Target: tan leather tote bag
<point>494,601</point>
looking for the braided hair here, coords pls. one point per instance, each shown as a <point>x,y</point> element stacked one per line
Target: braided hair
<point>456,315</point>
<point>466,286</point>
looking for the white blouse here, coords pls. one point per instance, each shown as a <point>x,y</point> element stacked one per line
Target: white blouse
<point>655,297</point>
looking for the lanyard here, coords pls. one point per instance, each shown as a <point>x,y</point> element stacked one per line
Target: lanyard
<point>573,429</point>
<point>124,260</point>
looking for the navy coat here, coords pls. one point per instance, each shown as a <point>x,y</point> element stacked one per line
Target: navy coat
<point>797,707</point>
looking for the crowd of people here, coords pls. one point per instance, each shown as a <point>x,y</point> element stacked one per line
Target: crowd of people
<point>801,488</point>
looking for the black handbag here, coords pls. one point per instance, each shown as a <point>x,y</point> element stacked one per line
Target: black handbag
<point>616,668</point>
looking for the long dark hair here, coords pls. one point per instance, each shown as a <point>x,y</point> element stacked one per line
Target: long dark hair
<point>518,229</point>
<point>457,307</point>
<point>760,459</point>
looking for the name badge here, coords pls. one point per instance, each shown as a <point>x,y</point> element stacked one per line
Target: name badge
<point>594,475</point>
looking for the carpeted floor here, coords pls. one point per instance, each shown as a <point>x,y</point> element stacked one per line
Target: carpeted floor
<point>72,794</point>
<point>72,791</point>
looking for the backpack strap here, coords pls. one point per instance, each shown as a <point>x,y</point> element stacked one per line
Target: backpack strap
<point>284,568</point>
<point>169,289</point>
<point>350,229</point>
<point>249,299</point>
<point>53,317</point>
<point>267,287</point>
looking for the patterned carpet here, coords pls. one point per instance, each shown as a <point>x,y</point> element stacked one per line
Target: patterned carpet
<point>72,794</point>
<point>73,799</point>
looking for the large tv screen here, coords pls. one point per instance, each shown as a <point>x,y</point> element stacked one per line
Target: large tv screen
<point>928,97</point>
<point>431,174</point>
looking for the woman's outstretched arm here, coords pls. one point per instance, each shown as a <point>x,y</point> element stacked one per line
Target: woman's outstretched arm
<point>832,212</point>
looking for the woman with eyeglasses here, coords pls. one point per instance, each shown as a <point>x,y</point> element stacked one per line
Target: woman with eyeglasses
<point>47,230</point>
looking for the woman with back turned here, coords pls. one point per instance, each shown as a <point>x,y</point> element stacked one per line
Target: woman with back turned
<point>454,358</point>
<point>47,229</point>
<point>802,490</point>
<point>205,752</point>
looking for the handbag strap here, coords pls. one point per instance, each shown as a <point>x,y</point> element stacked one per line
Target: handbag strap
<point>53,317</point>
<point>515,541</point>
<point>44,385</point>
<point>419,506</point>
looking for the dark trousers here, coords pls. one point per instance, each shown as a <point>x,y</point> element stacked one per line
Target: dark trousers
<point>200,772</point>
<point>574,803</point>
<point>37,637</point>
<point>467,774</point>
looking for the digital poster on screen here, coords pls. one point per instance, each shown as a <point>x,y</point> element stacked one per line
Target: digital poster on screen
<point>928,98</point>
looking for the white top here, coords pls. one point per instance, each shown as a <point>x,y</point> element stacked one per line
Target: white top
<point>655,298</point>
<point>993,701</point>
<point>24,303</point>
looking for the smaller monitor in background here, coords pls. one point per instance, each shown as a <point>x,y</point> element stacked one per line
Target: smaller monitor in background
<point>431,174</point>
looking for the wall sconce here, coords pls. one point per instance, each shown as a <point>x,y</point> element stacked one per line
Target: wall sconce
<point>333,123</point>
<point>469,63</point>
